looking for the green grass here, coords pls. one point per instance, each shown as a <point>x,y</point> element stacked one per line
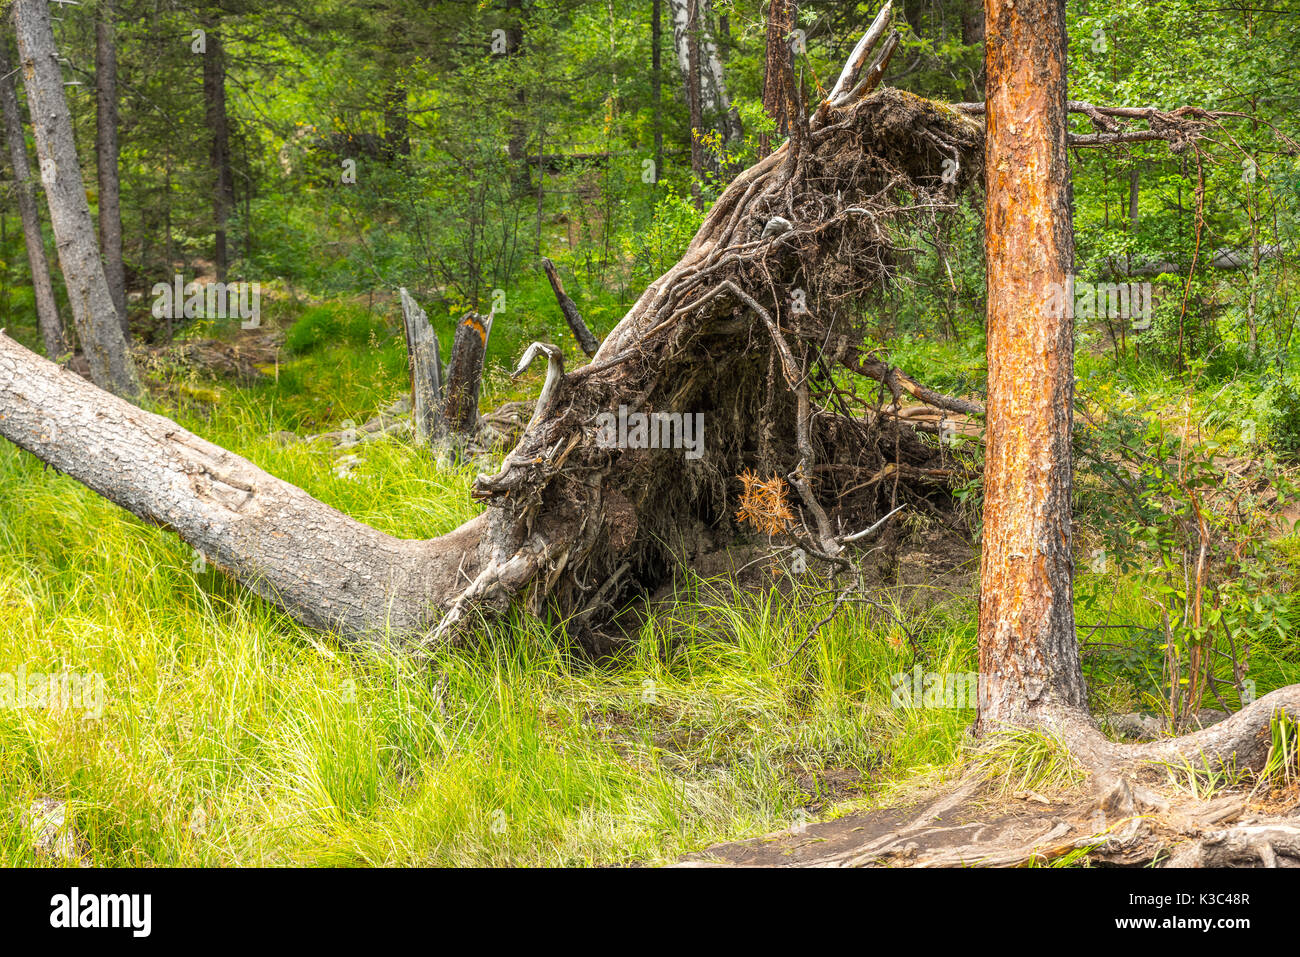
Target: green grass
<point>231,735</point>
<point>510,751</point>
<point>1018,759</point>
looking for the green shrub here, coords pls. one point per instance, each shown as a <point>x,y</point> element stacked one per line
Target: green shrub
<point>335,324</point>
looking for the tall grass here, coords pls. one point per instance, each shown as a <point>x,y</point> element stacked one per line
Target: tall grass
<point>231,735</point>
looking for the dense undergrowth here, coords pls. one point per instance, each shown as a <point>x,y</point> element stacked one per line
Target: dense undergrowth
<point>229,734</point>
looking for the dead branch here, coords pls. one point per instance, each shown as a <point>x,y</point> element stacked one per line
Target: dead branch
<point>572,316</point>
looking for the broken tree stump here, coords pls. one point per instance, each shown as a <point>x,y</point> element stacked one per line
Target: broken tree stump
<point>465,375</point>
<point>572,316</point>
<point>426,371</point>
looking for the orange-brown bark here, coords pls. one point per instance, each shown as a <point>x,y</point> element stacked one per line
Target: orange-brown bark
<point>1028,651</point>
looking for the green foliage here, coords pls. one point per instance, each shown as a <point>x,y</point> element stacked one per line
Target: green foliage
<point>1282,766</point>
<point>1282,415</point>
<point>655,248</point>
<point>1199,539</point>
<point>336,324</point>
<point>1019,760</point>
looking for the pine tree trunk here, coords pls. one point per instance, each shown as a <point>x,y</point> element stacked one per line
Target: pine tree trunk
<point>106,153</point>
<point>218,122</point>
<point>93,309</point>
<point>47,309</point>
<point>1029,655</point>
<point>780,21</point>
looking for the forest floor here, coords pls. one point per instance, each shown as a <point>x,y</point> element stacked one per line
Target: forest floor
<point>230,735</point>
<point>922,829</point>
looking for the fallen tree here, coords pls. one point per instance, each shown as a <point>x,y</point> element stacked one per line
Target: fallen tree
<point>753,330</point>
<point>747,330</point>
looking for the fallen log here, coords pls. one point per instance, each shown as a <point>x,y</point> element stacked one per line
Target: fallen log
<point>732,336</point>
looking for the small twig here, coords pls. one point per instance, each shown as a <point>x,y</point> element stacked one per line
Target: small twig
<point>812,632</point>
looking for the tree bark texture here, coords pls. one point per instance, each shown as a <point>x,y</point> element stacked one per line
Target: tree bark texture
<point>1028,650</point>
<point>47,309</point>
<point>106,158</point>
<point>93,310</point>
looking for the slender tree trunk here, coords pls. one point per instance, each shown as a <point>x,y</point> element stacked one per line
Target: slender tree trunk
<point>397,126</point>
<point>218,122</point>
<point>972,22</point>
<point>693,96</point>
<point>656,83</point>
<point>47,309</point>
<point>780,21</point>
<point>1029,655</point>
<point>972,31</point>
<point>912,10</point>
<point>93,310</point>
<point>1134,191</point>
<point>517,144</point>
<point>106,153</point>
<point>689,20</point>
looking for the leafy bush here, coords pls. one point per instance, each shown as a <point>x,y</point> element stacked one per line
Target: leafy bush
<point>1284,415</point>
<point>662,243</point>
<point>335,324</point>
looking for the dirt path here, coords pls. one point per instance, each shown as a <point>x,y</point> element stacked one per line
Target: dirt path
<point>964,825</point>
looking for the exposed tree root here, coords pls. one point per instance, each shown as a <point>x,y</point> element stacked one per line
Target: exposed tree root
<point>568,513</point>
<point>754,333</point>
<point>1125,812</point>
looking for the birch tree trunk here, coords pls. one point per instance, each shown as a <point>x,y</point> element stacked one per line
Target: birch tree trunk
<point>93,311</point>
<point>715,104</point>
<point>47,309</point>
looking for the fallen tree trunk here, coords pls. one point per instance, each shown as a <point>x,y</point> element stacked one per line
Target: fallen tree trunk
<point>741,337</point>
<point>327,570</point>
<point>1223,258</point>
<point>732,362</point>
